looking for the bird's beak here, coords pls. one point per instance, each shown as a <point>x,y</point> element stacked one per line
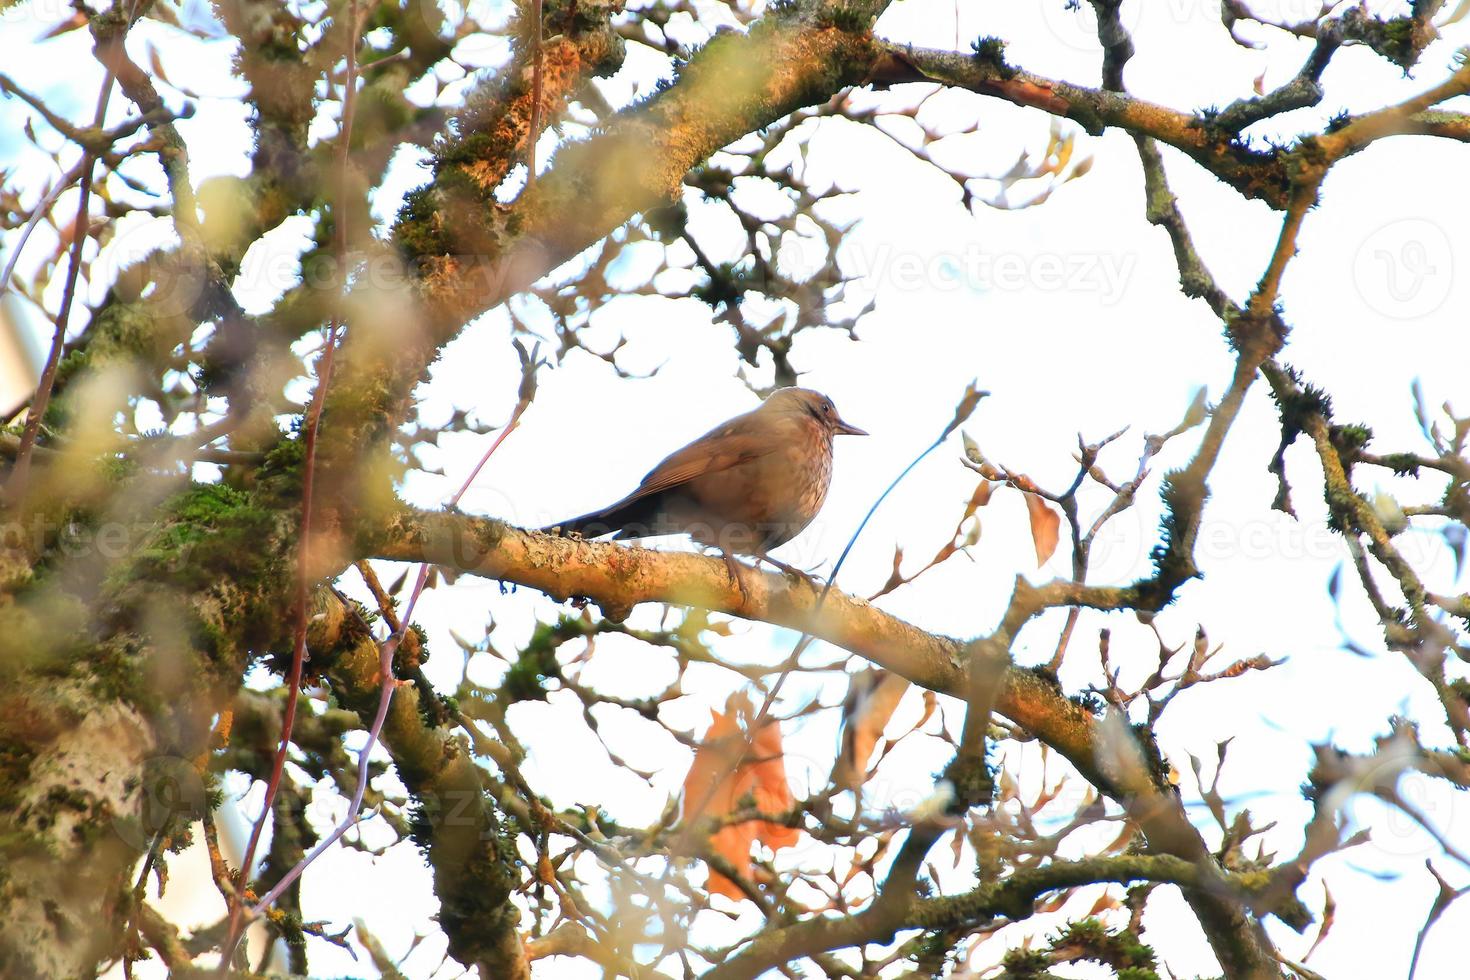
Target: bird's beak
<point>843,429</point>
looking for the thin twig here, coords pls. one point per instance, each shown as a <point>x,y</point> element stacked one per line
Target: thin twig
<point>308,486</point>
<point>84,165</point>
<point>80,232</point>
<point>389,647</point>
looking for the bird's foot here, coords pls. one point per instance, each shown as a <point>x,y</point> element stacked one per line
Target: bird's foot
<point>790,570</point>
<point>733,567</point>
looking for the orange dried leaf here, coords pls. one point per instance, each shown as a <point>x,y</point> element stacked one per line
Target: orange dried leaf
<point>1329,913</point>
<point>732,767</point>
<point>981,496</point>
<point>1063,153</point>
<point>1009,789</point>
<point>1045,524</point>
<point>873,696</point>
<point>1123,839</point>
<point>1024,482</point>
<point>930,703</point>
<point>895,577</point>
<point>155,62</point>
<point>968,401</point>
<point>1054,902</point>
<point>767,765</point>
<point>73,22</point>
<point>1045,796</point>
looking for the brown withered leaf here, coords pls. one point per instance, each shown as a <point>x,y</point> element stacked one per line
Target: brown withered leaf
<point>969,399</point>
<point>78,19</point>
<point>732,768</point>
<point>930,703</point>
<point>1045,525</point>
<point>1054,902</point>
<point>1045,796</point>
<point>1125,836</point>
<point>873,695</point>
<point>1329,912</point>
<point>981,497</point>
<point>958,844</point>
<point>895,577</point>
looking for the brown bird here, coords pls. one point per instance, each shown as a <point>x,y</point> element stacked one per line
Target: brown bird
<point>745,487</point>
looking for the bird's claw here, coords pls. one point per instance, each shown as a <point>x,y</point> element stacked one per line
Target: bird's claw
<point>790,570</point>
<point>733,568</point>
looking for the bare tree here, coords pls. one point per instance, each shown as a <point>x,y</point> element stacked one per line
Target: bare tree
<point>192,485</point>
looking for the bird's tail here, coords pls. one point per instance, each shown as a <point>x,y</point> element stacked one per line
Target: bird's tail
<point>630,518</point>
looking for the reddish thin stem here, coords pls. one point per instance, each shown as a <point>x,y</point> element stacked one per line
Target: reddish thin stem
<point>15,488</point>
<point>389,646</point>
<point>515,420</point>
<point>308,488</point>
<point>385,668</point>
<point>39,212</point>
<point>298,651</point>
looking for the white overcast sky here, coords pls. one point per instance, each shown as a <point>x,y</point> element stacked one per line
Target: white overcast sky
<point>1070,315</point>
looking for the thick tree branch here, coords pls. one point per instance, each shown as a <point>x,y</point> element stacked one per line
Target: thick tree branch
<point>1254,173</point>
<point>1210,139</point>
<point>619,578</point>
<point>1013,897</point>
<point>470,853</point>
<point>467,253</point>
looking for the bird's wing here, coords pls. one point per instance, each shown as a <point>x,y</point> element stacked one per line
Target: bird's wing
<point>735,442</point>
